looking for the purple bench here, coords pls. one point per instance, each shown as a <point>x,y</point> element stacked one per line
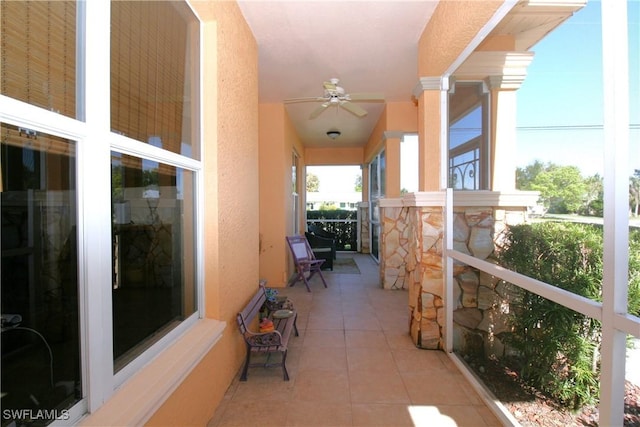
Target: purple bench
<point>266,342</point>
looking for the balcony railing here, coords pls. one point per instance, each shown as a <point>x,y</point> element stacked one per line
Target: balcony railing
<point>346,231</point>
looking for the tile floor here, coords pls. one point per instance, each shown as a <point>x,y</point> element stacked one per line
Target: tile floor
<point>353,365</point>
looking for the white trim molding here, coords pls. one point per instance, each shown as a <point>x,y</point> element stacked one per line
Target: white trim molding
<point>464,198</point>
<point>135,402</point>
<point>431,83</point>
<point>392,134</point>
<point>503,70</point>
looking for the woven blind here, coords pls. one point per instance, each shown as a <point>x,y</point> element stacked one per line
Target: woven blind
<point>148,61</point>
<point>38,53</point>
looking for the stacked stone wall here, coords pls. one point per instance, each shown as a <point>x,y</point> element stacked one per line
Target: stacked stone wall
<point>365,243</point>
<point>412,259</point>
<point>482,301</point>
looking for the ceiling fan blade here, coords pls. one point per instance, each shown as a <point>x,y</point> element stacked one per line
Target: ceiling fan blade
<point>315,113</point>
<point>367,97</point>
<point>309,99</point>
<point>329,85</point>
<point>353,108</point>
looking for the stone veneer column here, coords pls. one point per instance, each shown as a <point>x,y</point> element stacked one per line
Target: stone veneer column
<point>412,258</point>
<point>364,226</point>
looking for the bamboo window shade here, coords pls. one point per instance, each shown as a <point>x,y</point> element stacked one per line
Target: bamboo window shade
<point>148,69</point>
<point>38,53</point>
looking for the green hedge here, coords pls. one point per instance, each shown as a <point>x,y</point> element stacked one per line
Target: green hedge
<point>558,348</point>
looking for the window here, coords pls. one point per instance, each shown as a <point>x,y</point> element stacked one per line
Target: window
<point>40,320</point>
<point>39,54</point>
<point>153,245</point>
<point>409,164</point>
<point>153,233</point>
<point>152,74</point>
<point>96,224</point>
<point>376,191</point>
<point>468,137</point>
<point>295,199</point>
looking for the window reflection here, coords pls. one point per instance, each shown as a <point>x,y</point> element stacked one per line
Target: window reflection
<point>153,247</point>
<point>468,136</point>
<point>40,322</point>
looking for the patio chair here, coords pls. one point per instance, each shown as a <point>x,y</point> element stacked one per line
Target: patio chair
<point>322,238</point>
<point>322,248</point>
<point>304,260</point>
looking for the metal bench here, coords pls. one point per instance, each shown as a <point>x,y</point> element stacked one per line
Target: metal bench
<point>266,342</point>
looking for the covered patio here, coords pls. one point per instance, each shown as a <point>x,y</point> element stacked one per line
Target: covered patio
<point>354,364</point>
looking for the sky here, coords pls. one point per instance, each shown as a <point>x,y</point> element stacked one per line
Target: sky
<point>567,68</point>
<point>559,110</point>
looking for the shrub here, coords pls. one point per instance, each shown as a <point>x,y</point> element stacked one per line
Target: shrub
<point>557,347</point>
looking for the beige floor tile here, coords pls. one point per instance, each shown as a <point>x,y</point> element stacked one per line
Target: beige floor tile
<point>464,416</point>
<point>381,414</point>
<point>431,416</point>
<point>324,338</point>
<point>324,359</point>
<point>377,387</point>
<point>366,339</point>
<point>325,322</point>
<point>399,340</point>
<point>250,413</point>
<point>438,388</point>
<point>321,386</point>
<point>360,322</point>
<point>319,414</point>
<point>364,359</point>
<point>273,390</point>
<point>357,307</point>
<point>398,321</point>
<point>488,416</point>
<point>326,309</point>
<point>417,360</point>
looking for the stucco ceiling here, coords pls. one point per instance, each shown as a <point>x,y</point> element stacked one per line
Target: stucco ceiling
<point>371,46</point>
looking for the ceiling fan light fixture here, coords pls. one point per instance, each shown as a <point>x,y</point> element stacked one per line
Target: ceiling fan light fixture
<point>333,134</point>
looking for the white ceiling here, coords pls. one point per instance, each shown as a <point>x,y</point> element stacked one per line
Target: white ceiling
<point>371,46</point>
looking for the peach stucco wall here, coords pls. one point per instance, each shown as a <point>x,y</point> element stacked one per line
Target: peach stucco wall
<point>278,140</point>
<point>333,156</point>
<point>453,26</point>
<point>230,154</point>
<point>396,116</point>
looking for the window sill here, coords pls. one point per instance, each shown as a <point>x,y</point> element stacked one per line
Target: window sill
<point>141,396</point>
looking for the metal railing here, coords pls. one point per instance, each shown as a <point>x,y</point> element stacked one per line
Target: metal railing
<point>345,230</point>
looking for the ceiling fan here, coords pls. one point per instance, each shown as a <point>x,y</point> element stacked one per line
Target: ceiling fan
<point>335,95</point>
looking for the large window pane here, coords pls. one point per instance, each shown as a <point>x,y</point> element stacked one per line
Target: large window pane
<point>154,65</point>
<point>40,323</point>
<point>153,252</point>
<point>409,164</point>
<point>468,137</point>
<point>38,53</point>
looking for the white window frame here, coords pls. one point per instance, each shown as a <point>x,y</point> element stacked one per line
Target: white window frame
<point>94,143</point>
<point>295,191</point>
<point>374,203</point>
